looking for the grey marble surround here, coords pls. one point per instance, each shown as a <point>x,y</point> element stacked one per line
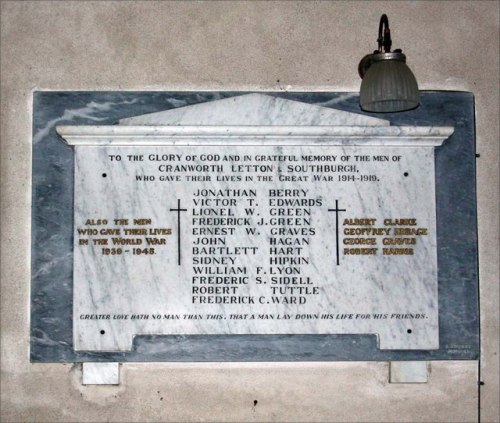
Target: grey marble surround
<point>52,275</point>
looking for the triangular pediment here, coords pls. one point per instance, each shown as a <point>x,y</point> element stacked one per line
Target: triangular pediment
<point>256,110</point>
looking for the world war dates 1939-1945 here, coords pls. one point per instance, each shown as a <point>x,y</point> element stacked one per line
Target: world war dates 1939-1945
<point>231,218</point>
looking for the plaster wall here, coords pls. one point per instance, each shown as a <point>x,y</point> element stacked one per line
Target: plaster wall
<point>85,45</point>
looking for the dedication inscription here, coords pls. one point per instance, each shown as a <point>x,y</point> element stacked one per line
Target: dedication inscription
<point>254,229</point>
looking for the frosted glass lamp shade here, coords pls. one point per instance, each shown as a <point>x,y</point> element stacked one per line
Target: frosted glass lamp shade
<point>388,86</point>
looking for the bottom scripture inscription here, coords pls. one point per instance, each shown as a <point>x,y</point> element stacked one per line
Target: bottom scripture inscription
<point>242,239</point>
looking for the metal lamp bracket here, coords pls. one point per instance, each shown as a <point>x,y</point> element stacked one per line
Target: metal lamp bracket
<point>384,43</point>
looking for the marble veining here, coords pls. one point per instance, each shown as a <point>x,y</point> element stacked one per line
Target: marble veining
<point>255,135</point>
<point>254,109</point>
<point>53,215</point>
<point>128,285</point>
<point>118,295</point>
<point>100,373</point>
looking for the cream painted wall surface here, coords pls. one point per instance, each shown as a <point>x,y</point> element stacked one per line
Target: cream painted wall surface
<point>84,45</point>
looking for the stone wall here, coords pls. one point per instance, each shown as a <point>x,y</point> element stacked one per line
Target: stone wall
<point>251,45</point>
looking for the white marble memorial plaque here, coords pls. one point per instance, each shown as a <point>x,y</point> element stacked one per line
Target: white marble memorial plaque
<point>229,218</point>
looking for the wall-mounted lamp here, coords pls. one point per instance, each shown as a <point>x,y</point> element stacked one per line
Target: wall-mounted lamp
<point>388,84</point>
